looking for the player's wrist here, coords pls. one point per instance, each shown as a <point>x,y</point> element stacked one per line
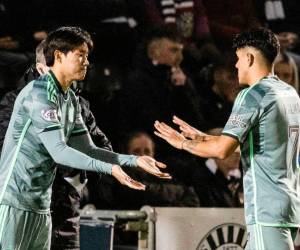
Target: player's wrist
<point>183,142</point>
<point>115,170</point>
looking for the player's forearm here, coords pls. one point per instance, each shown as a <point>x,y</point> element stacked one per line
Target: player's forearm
<point>113,158</point>
<point>85,144</point>
<point>67,156</point>
<point>205,146</point>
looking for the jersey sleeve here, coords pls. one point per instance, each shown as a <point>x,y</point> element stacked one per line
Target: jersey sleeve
<point>83,142</point>
<point>244,116</point>
<point>42,108</point>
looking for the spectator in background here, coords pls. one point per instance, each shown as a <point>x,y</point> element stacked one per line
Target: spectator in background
<point>228,18</point>
<point>188,16</point>
<point>157,89</point>
<point>217,87</point>
<point>158,84</point>
<point>157,193</point>
<point>218,182</point>
<point>282,17</point>
<point>19,35</point>
<point>286,69</point>
<point>190,19</point>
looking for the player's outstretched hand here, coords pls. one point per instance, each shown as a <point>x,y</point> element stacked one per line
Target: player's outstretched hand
<point>151,166</point>
<point>169,134</point>
<point>126,180</point>
<point>187,130</point>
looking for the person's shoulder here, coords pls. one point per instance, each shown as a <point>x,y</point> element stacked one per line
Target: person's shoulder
<point>273,86</point>
<point>254,95</point>
<point>247,97</point>
<point>44,88</point>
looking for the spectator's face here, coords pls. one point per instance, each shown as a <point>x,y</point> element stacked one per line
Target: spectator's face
<point>285,72</point>
<point>75,63</point>
<point>242,65</point>
<point>141,145</point>
<point>227,83</point>
<point>168,52</point>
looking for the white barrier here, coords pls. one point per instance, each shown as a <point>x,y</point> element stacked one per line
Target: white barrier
<point>178,228</point>
<point>197,228</point>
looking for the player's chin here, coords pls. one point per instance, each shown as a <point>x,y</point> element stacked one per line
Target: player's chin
<point>81,75</point>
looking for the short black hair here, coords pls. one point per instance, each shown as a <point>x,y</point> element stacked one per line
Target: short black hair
<point>160,32</point>
<point>65,39</point>
<point>261,39</point>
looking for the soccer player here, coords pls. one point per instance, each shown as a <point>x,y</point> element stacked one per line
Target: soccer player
<point>265,122</point>
<point>46,127</point>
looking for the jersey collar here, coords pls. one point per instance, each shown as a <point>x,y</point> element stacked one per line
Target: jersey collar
<point>57,84</point>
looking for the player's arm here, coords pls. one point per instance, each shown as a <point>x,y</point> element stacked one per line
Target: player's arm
<point>61,153</point>
<point>204,146</point>
<point>187,130</point>
<point>81,140</point>
<point>41,105</point>
<point>245,114</point>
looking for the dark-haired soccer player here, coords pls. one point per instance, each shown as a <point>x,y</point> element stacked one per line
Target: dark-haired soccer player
<point>46,126</point>
<point>265,122</point>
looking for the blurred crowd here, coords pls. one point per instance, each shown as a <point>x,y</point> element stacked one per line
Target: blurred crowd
<point>154,59</point>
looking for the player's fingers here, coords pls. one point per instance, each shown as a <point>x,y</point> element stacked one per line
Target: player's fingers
<point>184,128</point>
<point>161,128</point>
<point>162,131</point>
<point>134,184</point>
<point>167,128</point>
<point>156,171</point>
<point>161,135</point>
<point>178,121</point>
<point>164,175</point>
<point>160,164</point>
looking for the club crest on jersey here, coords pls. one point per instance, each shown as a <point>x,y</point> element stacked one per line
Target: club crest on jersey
<point>49,115</point>
<point>228,236</point>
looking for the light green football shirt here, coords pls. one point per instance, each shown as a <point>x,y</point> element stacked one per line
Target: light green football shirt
<point>265,120</point>
<point>46,126</point>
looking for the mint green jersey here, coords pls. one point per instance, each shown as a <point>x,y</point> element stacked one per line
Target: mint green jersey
<point>46,127</point>
<point>265,120</point>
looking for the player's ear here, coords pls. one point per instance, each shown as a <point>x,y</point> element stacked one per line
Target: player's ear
<point>58,56</point>
<point>250,59</point>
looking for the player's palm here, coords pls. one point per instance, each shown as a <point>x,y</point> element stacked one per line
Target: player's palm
<point>150,165</point>
<point>126,180</point>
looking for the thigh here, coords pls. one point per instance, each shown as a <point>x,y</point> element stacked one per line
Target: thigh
<point>23,229</point>
<point>269,238</point>
<point>40,238</point>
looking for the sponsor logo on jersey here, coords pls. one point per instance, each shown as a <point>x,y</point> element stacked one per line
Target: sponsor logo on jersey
<point>49,115</point>
<point>236,121</point>
<point>228,236</point>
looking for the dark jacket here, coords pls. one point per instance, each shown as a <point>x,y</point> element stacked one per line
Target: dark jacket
<point>213,188</point>
<point>149,95</point>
